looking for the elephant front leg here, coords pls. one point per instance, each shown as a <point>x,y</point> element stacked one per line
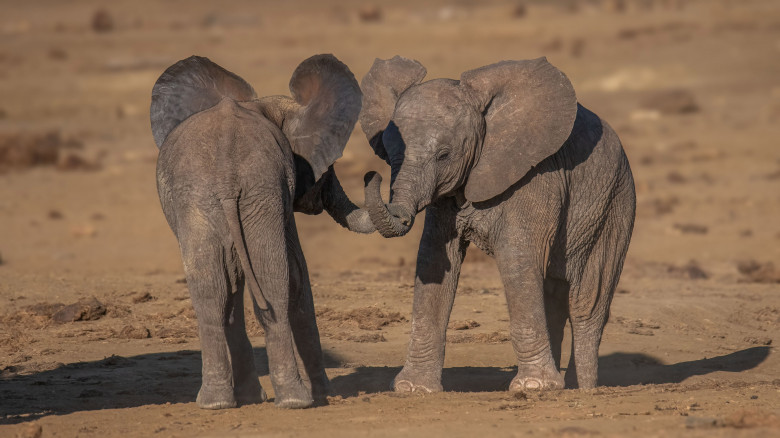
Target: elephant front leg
<point>523,285</point>
<point>438,268</point>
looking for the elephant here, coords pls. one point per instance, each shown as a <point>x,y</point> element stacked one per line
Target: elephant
<point>507,159</point>
<point>231,170</point>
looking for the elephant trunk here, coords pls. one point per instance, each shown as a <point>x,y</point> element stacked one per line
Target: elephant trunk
<point>392,220</point>
<point>342,209</point>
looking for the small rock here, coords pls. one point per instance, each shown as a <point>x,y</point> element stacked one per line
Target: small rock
<point>463,325</point>
<point>85,310</point>
<point>55,214</point>
<point>58,54</point>
<point>756,272</point>
<point>102,21</point>
<point>691,271</point>
<point>130,332</point>
<point>675,177</point>
<point>520,10</point>
<point>671,102</point>
<point>73,161</point>
<point>143,297</point>
<point>31,430</point>
<point>700,422</point>
<point>615,6</point>
<point>370,14</point>
<point>83,231</point>
<point>691,228</point>
<point>577,47</point>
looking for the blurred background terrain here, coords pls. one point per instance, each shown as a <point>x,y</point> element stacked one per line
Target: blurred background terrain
<point>97,333</point>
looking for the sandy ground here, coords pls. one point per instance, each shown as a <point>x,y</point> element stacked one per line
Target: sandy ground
<point>692,88</point>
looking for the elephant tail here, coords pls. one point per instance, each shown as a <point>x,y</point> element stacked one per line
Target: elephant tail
<point>230,207</point>
<point>188,87</point>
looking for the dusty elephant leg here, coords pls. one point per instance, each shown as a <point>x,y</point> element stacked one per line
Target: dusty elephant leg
<point>523,284</point>
<point>207,281</point>
<point>265,231</point>
<point>290,391</point>
<point>304,323</point>
<point>438,268</point>
<point>556,307</point>
<point>589,303</point>
<point>247,388</point>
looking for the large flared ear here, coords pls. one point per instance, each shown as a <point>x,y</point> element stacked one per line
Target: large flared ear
<point>321,116</point>
<point>385,81</point>
<point>529,109</point>
<point>190,86</point>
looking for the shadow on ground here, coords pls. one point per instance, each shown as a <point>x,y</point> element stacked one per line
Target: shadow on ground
<point>617,369</point>
<point>110,383</point>
<point>120,382</point>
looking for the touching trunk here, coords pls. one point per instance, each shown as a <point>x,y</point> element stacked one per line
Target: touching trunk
<point>342,209</point>
<point>392,220</point>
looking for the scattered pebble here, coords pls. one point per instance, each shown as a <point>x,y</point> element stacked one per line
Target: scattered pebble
<point>463,325</point>
<point>691,228</point>
<point>370,14</point>
<point>675,101</point>
<point>55,214</point>
<point>31,430</point>
<point>102,21</point>
<point>520,10</point>
<point>130,332</point>
<point>142,297</point>
<point>757,272</point>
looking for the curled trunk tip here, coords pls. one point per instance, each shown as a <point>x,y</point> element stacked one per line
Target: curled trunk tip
<point>390,220</point>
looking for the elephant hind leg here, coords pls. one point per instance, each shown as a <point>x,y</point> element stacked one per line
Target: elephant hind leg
<point>589,302</point>
<point>207,280</point>
<point>246,386</point>
<point>556,307</point>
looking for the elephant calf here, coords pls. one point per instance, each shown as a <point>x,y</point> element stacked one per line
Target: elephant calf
<point>231,171</point>
<point>508,160</point>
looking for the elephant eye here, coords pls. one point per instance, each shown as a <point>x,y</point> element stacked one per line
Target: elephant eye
<point>443,156</point>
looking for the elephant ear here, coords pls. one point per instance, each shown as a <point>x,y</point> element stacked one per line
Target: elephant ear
<point>529,108</point>
<point>190,86</point>
<point>383,84</point>
<point>321,116</point>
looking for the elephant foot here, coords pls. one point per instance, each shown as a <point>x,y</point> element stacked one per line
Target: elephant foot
<point>293,396</point>
<point>216,397</point>
<point>250,392</point>
<point>415,381</point>
<point>536,378</point>
<point>320,390</point>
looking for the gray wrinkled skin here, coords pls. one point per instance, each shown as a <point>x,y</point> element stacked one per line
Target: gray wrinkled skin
<point>548,194</point>
<point>231,171</point>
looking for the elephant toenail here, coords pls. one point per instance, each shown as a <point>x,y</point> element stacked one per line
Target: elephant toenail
<point>532,384</point>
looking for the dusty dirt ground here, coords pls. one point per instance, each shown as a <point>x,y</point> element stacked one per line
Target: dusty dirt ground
<point>692,88</point>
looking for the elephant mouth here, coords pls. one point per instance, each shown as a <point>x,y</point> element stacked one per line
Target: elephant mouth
<point>391,220</point>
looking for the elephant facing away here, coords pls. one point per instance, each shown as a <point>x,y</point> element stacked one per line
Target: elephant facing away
<point>504,158</point>
<point>231,171</point>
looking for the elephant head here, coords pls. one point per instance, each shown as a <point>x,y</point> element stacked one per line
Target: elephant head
<point>480,134</point>
<point>317,122</point>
